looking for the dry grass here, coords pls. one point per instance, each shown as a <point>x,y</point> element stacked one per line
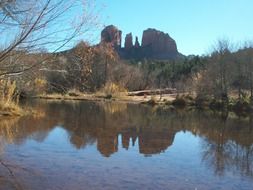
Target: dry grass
<point>111,89</point>
<point>74,92</point>
<point>9,102</point>
<point>10,109</point>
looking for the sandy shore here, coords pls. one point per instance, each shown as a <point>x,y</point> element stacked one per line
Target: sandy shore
<point>120,97</point>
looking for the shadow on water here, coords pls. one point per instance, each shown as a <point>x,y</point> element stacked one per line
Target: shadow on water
<point>226,142</point>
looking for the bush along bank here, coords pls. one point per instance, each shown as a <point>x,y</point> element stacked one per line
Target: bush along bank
<point>238,106</point>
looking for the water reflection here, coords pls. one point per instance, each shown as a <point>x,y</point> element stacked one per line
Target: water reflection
<point>89,123</point>
<point>226,145</point>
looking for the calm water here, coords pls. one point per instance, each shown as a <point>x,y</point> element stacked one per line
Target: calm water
<point>85,145</point>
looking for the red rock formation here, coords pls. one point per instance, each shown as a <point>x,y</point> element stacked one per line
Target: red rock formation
<point>111,34</point>
<point>128,41</point>
<point>155,44</point>
<point>137,44</point>
<point>161,44</point>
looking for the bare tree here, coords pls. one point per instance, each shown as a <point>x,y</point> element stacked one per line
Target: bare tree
<point>222,53</point>
<point>248,58</point>
<point>216,76</point>
<point>30,25</point>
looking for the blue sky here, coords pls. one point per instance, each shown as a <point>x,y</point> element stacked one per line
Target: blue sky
<point>194,24</point>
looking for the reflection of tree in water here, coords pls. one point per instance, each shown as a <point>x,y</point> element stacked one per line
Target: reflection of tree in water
<point>228,156</point>
<point>6,129</point>
<point>17,130</point>
<point>217,155</point>
<point>227,144</point>
<point>229,147</point>
<point>12,132</point>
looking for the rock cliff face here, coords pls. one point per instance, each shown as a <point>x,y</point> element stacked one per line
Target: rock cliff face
<point>129,41</point>
<point>155,44</point>
<point>159,44</point>
<point>137,44</point>
<point>111,34</point>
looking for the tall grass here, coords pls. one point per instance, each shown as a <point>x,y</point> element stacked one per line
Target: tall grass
<point>111,89</point>
<point>9,99</point>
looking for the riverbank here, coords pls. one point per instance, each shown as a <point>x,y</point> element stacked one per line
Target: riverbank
<point>171,101</point>
<point>13,109</point>
<point>121,97</point>
<point>165,101</point>
<point>241,107</point>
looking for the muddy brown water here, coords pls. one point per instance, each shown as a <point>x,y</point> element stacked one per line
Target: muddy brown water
<point>89,145</point>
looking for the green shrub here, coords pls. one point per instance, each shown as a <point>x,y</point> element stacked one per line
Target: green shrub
<point>189,97</point>
<point>201,102</point>
<point>152,101</point>
<point>241,106</point>
<point>179,102</point>
<point>108,96</point>
<point>217,104</point>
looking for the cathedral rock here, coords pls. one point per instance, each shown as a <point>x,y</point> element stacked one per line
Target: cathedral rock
<point>155,44</point>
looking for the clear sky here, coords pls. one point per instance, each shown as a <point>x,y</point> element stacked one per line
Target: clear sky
<point>194,24</point>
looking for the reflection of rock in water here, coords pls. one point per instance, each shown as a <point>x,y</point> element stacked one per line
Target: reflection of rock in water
<point>102,123</point>
<point>126,135</point>
<point>107,144</point>
<point>153,141</point>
